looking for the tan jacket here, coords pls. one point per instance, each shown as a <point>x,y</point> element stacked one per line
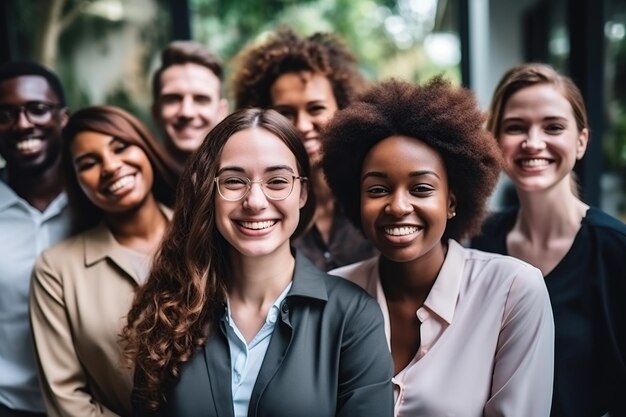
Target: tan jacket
<point>81,291</point>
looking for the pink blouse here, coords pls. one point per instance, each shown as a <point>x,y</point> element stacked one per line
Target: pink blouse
<point>487,338</point>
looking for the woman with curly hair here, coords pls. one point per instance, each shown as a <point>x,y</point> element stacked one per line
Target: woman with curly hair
<point>119,181</point>
<point>231,321</point>
<point>539,119</point>
<point>470,333</point>
<point>307,80</point>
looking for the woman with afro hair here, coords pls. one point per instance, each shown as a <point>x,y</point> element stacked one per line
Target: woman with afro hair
<point>471,333</point>
<point>307,79</point>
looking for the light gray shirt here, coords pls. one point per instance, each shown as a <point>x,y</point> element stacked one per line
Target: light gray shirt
<point>24,233</point>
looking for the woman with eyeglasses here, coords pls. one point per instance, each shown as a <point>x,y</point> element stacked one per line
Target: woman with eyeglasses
<point>233,321</point>
<point>120,182</point>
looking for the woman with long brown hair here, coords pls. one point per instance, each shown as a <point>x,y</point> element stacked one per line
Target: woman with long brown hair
<point>231,321</point>
<point>539,120</point>
<point>120,182</point>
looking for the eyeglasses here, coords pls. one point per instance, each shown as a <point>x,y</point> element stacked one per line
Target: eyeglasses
<point>37,113</point>
<point>276,187</point>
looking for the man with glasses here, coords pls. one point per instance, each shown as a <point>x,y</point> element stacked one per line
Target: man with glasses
<point>187,98</point>
<point>33,216</point>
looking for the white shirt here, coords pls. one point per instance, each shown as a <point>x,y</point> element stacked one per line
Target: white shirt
<point>24,233</point>
<point>487,338</point>
<point>246,358</point>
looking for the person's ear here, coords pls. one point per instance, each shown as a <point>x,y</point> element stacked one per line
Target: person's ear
<point>64,115</point>
<point>223,109</point>
<point>304,193</point>
<point>581,143</point>
<point>451,206</point>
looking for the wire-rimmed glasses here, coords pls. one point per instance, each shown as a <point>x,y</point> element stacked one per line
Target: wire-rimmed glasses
<point>275,187</point>
<point>37,113</point>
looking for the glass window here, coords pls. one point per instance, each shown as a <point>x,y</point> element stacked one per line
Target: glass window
<point>406,39</point>
<point>614,179</point>
<point>103,50</point>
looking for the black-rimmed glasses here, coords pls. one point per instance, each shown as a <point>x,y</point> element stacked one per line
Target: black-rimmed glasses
<point>37,113</point>
<point>275,187</point>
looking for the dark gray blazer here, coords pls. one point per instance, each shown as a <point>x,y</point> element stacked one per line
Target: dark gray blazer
<point>328,356</point>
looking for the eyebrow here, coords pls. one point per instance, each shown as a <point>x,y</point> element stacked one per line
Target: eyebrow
<point>521,119</point>
<point>272,168</point>
<point>378,174</point>
<point>90,154</point>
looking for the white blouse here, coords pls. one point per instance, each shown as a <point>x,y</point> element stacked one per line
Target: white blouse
<point>487,338</point>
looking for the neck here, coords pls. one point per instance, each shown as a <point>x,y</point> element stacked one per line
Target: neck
<point>141,229</point>
<point>179,156</point>
<point>411,280</point>
<point>39,189</point>
<point>324,205</point>
<point>260,280</point>
<point>548,214</point>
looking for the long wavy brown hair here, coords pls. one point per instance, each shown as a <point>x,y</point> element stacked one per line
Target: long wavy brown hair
<point>177,308</point>
<point>116,122</point>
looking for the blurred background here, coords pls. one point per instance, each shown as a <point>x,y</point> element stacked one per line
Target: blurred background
<point>106,50</point>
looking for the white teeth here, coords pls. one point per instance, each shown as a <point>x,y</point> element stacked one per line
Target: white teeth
<point>534,162</point>
<point>122,182</point>
<point>400,231</point>
<point>29,145</point>
<point>258,225</point>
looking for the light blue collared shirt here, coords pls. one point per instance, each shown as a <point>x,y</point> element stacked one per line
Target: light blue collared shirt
<point>246,359</point>
<point>24,233</point>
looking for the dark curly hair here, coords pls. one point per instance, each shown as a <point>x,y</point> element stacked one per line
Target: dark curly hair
<point>176,309</point>
<point>258,66</point>
<point>445,117</point>
<point>116,122</point>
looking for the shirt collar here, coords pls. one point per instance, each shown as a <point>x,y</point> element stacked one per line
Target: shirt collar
<point>7,196</point>
<point>308,281</point>
<point>100,244</point>
<point>444,294</point>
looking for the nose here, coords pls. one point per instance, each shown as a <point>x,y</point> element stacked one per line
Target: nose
<point>187,107</point>
<point>534,141</point>
<point>304,124</point>
<point>399,205</point>
<point>110,165</point>
<point>22,121</point>
<point>255,200</point>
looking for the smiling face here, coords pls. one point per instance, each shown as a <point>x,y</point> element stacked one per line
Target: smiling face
<point>255,225</point>
<point>26,145</point>
<point>539,139</point>
<point>308,101</point>
<point>405,201</point>
<point>114,174</point>
<point>189,105</point>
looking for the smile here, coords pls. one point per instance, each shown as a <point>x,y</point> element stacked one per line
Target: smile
<point>121,183</point>
<point>533,163</point>
<point>258,225</point>
<point>401,231</point>
<point>29,145</point>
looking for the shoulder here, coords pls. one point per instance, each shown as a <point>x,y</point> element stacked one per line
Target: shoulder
<point>494,229</point>
<point>605,224</point>
<point>496,269</point>
<point>60,251</point>
<point>357,272</point>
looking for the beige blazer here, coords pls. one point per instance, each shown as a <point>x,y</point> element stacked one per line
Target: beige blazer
<point>81,291</point>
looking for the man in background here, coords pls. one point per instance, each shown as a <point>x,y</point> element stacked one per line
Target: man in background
<point>33,216</point>
<point>187,98</point>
